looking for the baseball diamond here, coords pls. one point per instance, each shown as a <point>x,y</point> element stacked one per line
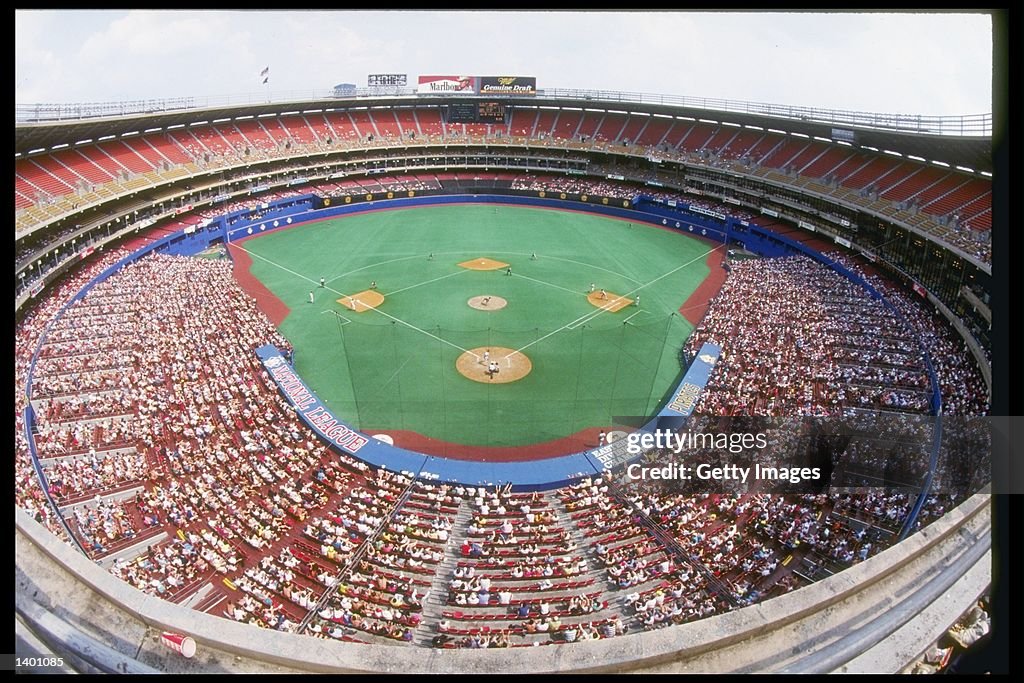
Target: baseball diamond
<point>395,365</point>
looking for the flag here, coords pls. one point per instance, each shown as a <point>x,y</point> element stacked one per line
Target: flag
<point>265,72</point>
<point>265,80</point>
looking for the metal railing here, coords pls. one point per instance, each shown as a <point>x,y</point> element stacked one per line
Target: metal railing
<point>965,125</point>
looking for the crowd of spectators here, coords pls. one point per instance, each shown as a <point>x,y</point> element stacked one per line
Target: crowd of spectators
<point>28,493</point>
<point>962,386</point>
<point>797,338</point>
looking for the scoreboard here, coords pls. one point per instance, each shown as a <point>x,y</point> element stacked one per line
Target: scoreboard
<point>476,112</point>
<point>379,80</point>
<point>490,112</point>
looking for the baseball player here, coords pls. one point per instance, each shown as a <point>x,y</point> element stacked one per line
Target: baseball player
<point>604,294</point>
<point>487,357</point>
<point>591,288</point>
<point>311,296</point>
<point>321,283</point>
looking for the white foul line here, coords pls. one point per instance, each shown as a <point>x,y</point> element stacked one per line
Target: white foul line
<point>631,317</point>
<point>347,321</point>
<point>549,284</point>
<point>593,314</point>
<point>427,282</point>
<point>361,303</point>
<point>398,320</point>
<point>287,270</point>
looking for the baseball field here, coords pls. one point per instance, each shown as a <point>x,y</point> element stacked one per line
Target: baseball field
<point>482,324</point>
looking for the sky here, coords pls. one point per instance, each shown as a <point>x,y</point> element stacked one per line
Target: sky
<point>911,63</point>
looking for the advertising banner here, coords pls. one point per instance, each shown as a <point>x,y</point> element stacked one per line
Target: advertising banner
<point>696,378</point>
<point>508,85</point>
<point>442,85</point>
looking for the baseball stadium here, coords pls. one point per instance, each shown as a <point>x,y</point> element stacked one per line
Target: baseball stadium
<point>377,380</point>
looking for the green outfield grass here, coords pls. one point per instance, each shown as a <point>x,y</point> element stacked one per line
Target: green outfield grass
<point>394,368</point>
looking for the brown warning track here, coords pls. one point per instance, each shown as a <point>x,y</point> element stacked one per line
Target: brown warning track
<point>414,441</point>
<point>274,308</point>
<point>694,308</point>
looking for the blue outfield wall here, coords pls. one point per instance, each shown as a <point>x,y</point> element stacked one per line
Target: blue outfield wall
<point>297,210</point>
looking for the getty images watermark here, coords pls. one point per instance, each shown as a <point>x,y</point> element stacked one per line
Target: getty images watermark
<point>862,450</point>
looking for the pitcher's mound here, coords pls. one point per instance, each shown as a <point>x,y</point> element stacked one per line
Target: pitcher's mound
<point>483,263</point>
<point>487,303</point>
<point>512,365</point>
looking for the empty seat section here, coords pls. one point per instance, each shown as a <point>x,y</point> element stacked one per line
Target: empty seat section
<point>49,176</point>
<point>634,126</point>
<point>827,162</point>
<point>251,134</point>
<point>158,148</point>
<point>720,138</point>
<point>22,194</point>
<point>589,125</point>
<point>102,160</point>
<point>654,132</point>
<point>948,182</point>
<point>738,147</point>
<point>294,127</point>
<point>912,183</point>
<point>523,121</point>
<point>32,177</point>
<point>318,125</point>
<point>783,154</point>
<point>966,193</point>
<point>363,124</point>
<point>209,139</point>
<point>875,169</point>
<point>697,137</point>
<point>677,133</point>
<point>566,124</point>
<point>545,122</point>
<point>807,155</point>
<point>385,122</point>
<point>763,146</point>
<point>981,221</point>
<point>126,156</point>
<point>430,121</point>
<point>610,127</point>
<point>77,165</point>
<point>406,122</point>
<point>476,129</point>
<point>342,126</point>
